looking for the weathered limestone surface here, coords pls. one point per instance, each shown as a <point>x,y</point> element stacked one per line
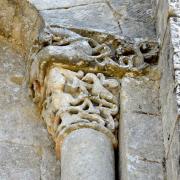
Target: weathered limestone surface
<point>61,4</point>
<point>75,100</point>
<point>19,22</point>
<point>127,18</point>
<point>173,167</point>
<point>87,154</point>
<point>141,138</point>
<point>25,149</point>
<point>168,28</point>
<point>162,10</point>
<point>19,162</point>
<point>167,90</point>
<point>84,17</point>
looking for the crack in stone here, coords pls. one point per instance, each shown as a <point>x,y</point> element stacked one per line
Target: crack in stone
<point>171,138</point>
<point>116,15</point>
<point>147,113</point>
<point>148,160</point>
<point>20,144</point>
<point>69,7</point>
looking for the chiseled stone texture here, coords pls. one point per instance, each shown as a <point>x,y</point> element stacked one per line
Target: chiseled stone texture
<point>87,154</point>
<point>141,137</point>
<point>136,20</point>
<point>19,162</point>
<point>168,28</point>
<point>174,6</point>
<point>97,17</point>
<point>60,4</point>
<point>169,66</point>
<point>167,90</point>
<point>173,166</point>
<point>141,170</point>
<point>161,21</point>
<point>173,148</point>
<point>162,10</point>
<point>128,18</point>
<point>26,152</point>
<point>20,22</point>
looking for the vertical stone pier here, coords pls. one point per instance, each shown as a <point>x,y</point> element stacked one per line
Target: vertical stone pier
<point>87,154</point>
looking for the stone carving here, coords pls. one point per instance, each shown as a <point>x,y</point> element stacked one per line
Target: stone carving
<point>67,79</point>
<point>74,100</point>
<point>73,51</point>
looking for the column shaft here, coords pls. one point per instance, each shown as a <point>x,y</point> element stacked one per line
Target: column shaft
<point>87,154</point>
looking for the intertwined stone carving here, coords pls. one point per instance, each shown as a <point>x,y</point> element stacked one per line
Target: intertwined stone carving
<point>74,100</point>
<point>68,79</point>
<point>113,57</point>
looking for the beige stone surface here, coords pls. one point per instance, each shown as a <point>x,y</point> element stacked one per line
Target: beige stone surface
<point>19,22</point>
<point>167,93</point>
<point>140,135</point>
<point>173,167</point>
<point>23,135</point>
<point>61,4</point>
<point>168,32</point>
<point>84,17</point>
<point>25,148</point>
<point>116,17</point>
<point>162,11</point>
<point>19,162</point>
<point>87,154</point>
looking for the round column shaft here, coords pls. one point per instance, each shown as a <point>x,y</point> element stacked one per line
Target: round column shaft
<point>87,154</point>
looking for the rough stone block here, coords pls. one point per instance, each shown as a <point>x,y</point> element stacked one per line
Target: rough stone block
<point>144,136</point>
<point>141,136</point>
<point>167,89</point>
<point>60,4</point>
<point>173,166</point>
<point>19,120</point>
<point>137,29</point>
<point>50,167</point>
<point>19,22</point>
<point>174,8</point>
<point>25,148</point>
<point>169,8</point>
<point>140,96</point>
<point>19,162</point>
<point>174,23</point>
<point>141,170</point>
<point>97,17</point>
<point>134,17</point>
<point>161,21</point>
<point>7,12</point>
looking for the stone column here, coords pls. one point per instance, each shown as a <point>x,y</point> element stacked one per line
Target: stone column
<point>87,154</point>
<point>79,110</point>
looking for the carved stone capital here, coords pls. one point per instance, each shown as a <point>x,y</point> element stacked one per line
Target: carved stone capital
<point>68,79</point>
<point>72,100</point>
<point>112,55</point>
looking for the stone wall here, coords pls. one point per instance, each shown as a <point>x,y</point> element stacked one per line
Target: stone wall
<point>167,15</point>
<point>141,146</point>
<point>149,101</point>
<point>26,150</point>
<point>20,23</point>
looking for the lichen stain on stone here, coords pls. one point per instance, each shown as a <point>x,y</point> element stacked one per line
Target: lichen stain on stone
<point>17,79</point>
<point>39,151</point>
